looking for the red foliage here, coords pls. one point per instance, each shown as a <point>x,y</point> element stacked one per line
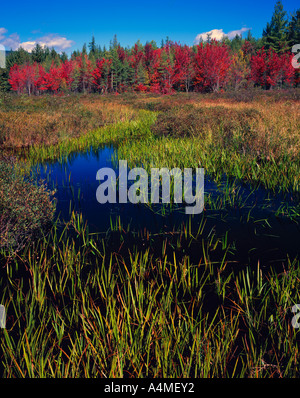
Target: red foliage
<point>212,63</point>
<point>141,88</point>
<point>66,71</point>
<point>49,81</point>
<point>248,49</point>
<point>160,70</point>
<point>23,78</point>
<point>183,68</point>
<point>269,69</point>
<point>101,74</point>
<point>135,60</point>
<point>152,62</point>
<point>121,53</point>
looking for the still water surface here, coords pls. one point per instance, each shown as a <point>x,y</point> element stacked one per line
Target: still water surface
<point>261,236</point>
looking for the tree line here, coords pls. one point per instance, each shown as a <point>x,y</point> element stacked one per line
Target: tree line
<point>208,66</point>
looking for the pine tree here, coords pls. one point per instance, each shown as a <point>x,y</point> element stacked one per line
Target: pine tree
<point>236,43</point>
<point>208,38</point>
<point>92,46</point>
<point>4,85</point>
<point>293,29</point>
<point>63,57</point>
<point>54,56</point>
<point>117,57</point>
<point>18,57</point>
<point>38,53</point>
<point>84,50</point>
<point>274,36</point>
<point>153,44</point>
<point>251,39</point>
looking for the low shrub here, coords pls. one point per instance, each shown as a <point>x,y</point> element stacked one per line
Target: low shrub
<point>26,208</point>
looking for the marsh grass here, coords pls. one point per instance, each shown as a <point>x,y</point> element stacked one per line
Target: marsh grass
<point>78,308</point>
<point>254,141</point>
<point>48,120</point>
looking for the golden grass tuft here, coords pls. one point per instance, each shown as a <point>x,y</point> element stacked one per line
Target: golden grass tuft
<point>48,120</point>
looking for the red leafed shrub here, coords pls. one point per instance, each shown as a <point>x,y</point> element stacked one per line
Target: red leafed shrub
<point>141,88</point>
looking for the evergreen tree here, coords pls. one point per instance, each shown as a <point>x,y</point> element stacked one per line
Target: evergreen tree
<point>54,56</point>
<point>84,50</point>
<point>116,64</point>
<point>224,40</point>
<point>38,53</point>
<point>92,46</point>
<point>75,54</point>
<point>236,43</point>
<point>293,29</point>
<point>18,57</point>
<point>116,69</point>
<point>63,57</point>
<point>4,85</point>
<point>274,36</point>
<point>46,52</point>
<point>251,39</point>
<point>153,44</point>
<point>208,38</point>
<point>99,52</point>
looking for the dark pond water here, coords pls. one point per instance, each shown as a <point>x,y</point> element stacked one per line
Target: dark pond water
<point>259,234</point>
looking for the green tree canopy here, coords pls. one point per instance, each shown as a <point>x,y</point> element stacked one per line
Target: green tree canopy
<point>274,35</point>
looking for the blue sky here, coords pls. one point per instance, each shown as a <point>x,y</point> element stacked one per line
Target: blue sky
<point>66,25</point>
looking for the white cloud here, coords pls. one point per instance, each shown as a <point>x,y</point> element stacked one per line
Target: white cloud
<point>239,32</point>
<point>2,33</point>
<point>58,42</point>
<point>218,34</point>
<point>9,42</point>
<point>13,41</point>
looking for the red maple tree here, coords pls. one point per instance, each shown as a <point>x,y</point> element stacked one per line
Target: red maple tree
<point>269,69</point>
<point>212,62</point>
<point>23,78</point>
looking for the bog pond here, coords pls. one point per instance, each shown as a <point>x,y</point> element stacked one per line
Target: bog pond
<point>257,225</point>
